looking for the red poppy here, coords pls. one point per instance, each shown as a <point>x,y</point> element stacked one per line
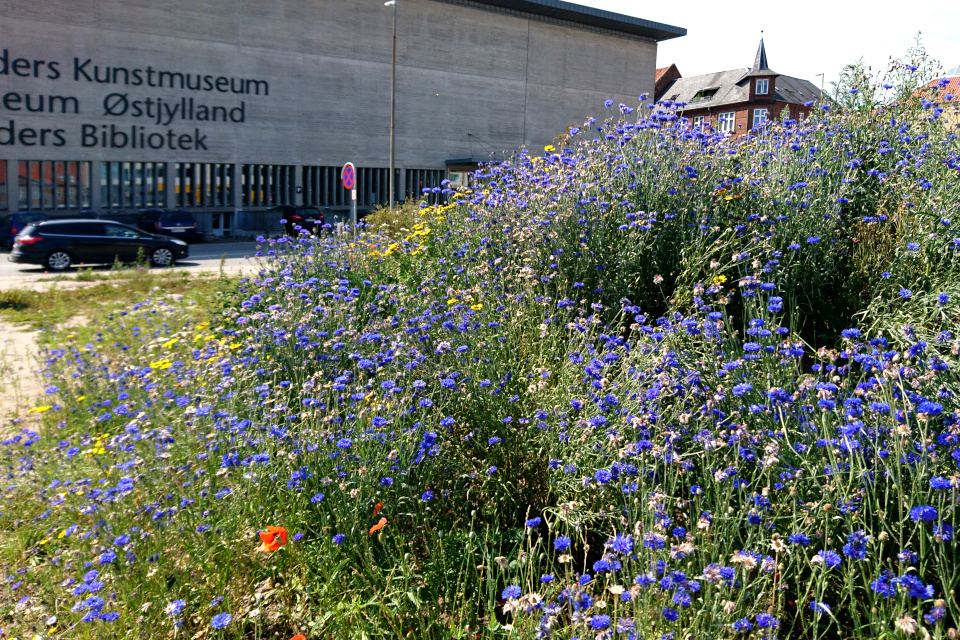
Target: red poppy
<point>376,508</point>
<point>273,538</point>
<point>378,526</point>
<point>299,636</point>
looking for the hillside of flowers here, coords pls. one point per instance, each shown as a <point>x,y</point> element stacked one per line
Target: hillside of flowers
<point>654,382</point>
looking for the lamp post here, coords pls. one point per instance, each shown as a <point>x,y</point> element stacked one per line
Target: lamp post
<point>393,92</point>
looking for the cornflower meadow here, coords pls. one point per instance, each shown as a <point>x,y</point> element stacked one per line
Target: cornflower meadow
<point>657,382</point>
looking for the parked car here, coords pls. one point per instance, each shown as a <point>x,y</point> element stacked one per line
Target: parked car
<point>58,244</point>
<point>179,224</point>
<point>11,225</point>
<point>307,218</point>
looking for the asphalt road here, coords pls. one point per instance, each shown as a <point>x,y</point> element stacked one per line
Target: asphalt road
<point>203,257</point>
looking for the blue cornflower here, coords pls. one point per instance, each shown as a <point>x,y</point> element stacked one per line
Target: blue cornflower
<point>511,592</point>
<point>923,514</point>
<point>427,496</point>
<point>742,389</point>
<point>819,607</point>
<point>906,293</point>
<point>943,299</point>
<point>562,543</point>
<point>344,443</point>
<point>767,621</point>
<point>339,539</point>
<point>175,608</point>
<point>608,103</point>
<point>742,625</point>
<point>830,559</point>
<point>585,579</point>
<point>603,476</point>
<point>850,334</point>
<point>813,240</point>
<point>494,440</point>
<point>533,523</point>
<point>221,620</point>
<point>620,544</point>
<point>317,499</point>
<point>600,622</point>
<point>670,615</point>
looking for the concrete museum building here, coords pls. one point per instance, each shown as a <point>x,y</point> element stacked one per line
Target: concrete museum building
<point>228,107</point>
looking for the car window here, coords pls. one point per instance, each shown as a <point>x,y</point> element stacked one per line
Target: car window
<point>116,231</point>
<point>28,230</point>
<point>27,218</point>
<point>66,229</point>
<point>176,216</point>
<point>309,212</point>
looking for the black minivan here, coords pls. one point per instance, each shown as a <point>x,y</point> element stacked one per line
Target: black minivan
<point>58,244</point>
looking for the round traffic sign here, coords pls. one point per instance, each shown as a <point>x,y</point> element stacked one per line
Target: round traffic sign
<point>349,176</point>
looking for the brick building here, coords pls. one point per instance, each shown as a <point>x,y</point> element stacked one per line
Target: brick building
<point>737,100</point>
<point>946,93</point>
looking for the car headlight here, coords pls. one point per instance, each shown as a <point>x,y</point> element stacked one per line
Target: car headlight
<point>180,242</point>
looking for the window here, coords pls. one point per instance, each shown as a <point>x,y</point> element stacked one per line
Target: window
<point>704,94</point>
<point>3,185</point>
<point>759,116</point>
<point>420,184</point>
<point>725,121</point>
<point>266,185</point>
<point>131,185</point>
<point>763,87</point>
<point>46,185</point>
<point>698,121</point>
<point>203,184</point>
<point>322,187</point>
<point>115,231</point>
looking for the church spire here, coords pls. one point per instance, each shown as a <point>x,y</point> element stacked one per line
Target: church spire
<point>760,64</point>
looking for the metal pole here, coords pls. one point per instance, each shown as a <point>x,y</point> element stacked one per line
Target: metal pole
<point>393,95</point>
<point>353,210</point>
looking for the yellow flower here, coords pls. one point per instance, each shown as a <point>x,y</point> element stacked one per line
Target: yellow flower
<point>81,398</point>
<point>549,147</point>
<point>169,343</point>
<point>719,279</point>
<point>452,301</point>
<point>160,365</point>
<point>476,307</point>
<point>42,409</point>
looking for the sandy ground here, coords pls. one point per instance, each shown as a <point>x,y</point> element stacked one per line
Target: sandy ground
<point>19,383</point>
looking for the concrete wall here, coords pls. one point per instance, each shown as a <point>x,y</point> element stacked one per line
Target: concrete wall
<point>506,79</point>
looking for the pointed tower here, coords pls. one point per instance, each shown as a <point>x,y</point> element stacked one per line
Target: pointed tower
<point>761,77</point>
<point>760,63</point>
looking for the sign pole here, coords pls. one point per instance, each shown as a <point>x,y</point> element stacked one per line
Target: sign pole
<point>353,209</point>
<point>348,175</point>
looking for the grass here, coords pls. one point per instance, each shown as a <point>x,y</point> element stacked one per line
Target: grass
<point>658,383</point>
<point>105,293</point>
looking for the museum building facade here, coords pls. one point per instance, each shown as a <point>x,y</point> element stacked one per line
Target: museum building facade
<point>228,107</point>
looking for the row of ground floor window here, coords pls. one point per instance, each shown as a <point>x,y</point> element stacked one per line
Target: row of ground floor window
<point>35,185</point>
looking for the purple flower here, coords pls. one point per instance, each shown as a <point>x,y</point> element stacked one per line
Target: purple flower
<point>511,592</point>
<point>221,620</point>
<point>923,514</point>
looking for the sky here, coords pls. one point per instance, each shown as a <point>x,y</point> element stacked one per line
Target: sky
<point>803,37</point>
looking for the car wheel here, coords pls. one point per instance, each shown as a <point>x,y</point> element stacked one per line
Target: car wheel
<point>162,257</point>
<point>58,261</point>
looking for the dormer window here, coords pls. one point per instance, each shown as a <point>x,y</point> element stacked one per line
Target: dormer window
<point>705,94</point>
<point>763,87</point>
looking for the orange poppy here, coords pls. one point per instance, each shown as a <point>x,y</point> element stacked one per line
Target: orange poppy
<point>299,636</point>
<point>376,508</point>
<point>273,538</point>
<point>378,526</point>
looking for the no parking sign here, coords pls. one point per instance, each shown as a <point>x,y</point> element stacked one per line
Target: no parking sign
<point>348,175</point>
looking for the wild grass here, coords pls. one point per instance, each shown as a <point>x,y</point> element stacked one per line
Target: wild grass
<point>658,383</point>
